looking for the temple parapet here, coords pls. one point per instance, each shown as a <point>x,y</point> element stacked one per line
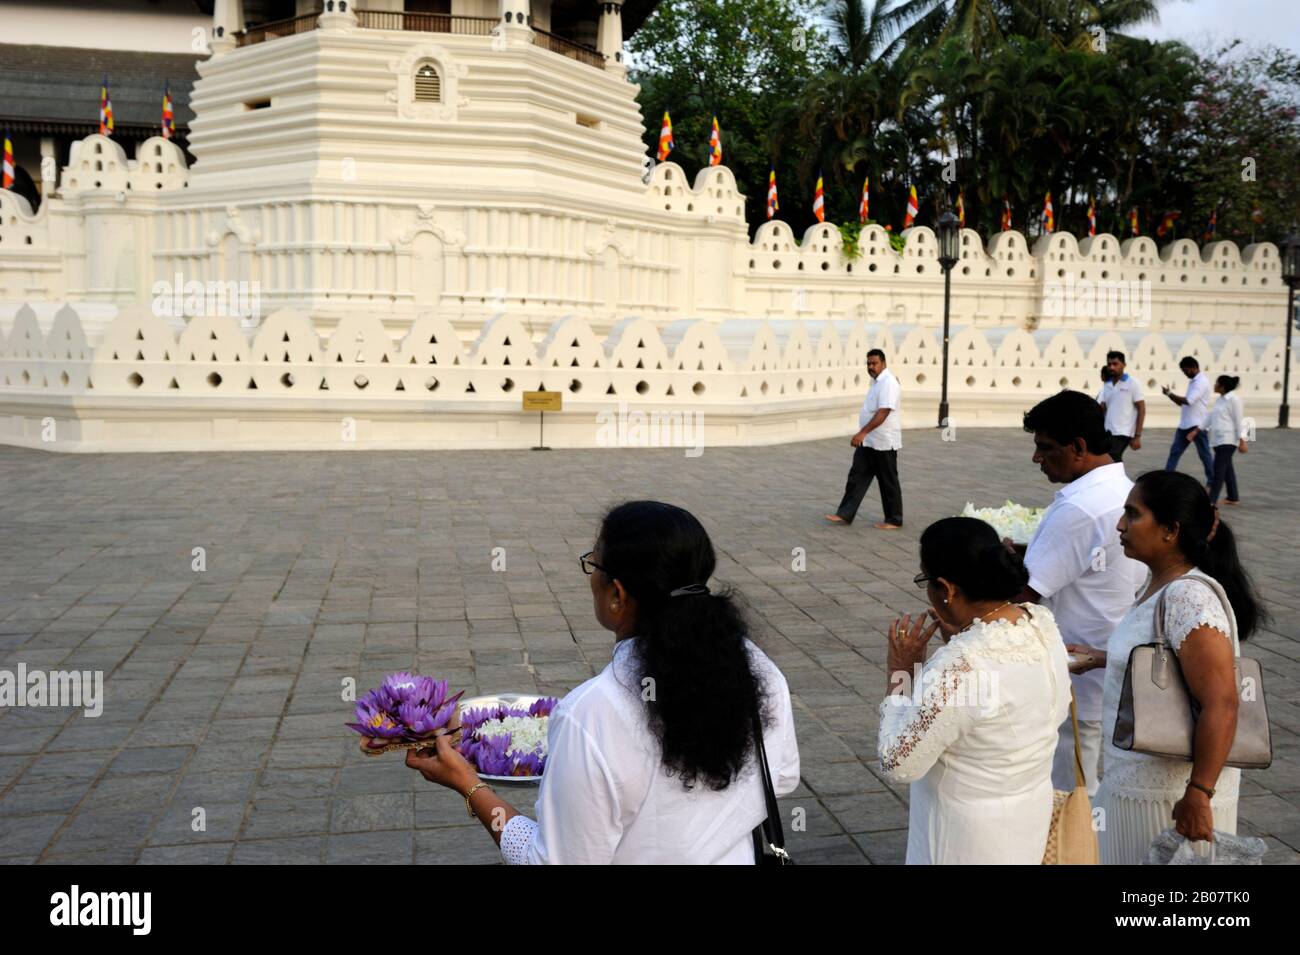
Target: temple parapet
<point>144,382</point>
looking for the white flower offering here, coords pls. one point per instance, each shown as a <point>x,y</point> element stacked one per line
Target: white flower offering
<point>1010,520</point>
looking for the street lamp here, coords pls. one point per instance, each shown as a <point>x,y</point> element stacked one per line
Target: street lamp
<point>949,229</point>
<point>1291,276</point>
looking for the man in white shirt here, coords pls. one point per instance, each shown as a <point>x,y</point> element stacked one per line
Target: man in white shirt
<point>1191,423</point>
<point>1076,563</point>
<point>880,435</point>
<point>1125,407</point>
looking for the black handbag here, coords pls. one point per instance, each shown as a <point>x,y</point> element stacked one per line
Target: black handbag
<point>769,835</point>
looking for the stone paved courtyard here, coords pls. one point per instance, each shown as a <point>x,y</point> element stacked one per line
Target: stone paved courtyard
<point>224,685</point>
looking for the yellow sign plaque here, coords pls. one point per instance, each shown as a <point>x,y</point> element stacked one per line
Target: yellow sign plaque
<point>543,400</point>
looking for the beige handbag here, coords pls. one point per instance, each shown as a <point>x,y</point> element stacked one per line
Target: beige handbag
<point>1071,840</point>
<point>1157,714</point>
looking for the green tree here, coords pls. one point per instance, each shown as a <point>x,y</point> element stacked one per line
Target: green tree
<point>740,61</point>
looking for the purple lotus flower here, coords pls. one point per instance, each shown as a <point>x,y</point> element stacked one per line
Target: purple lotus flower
<point>490,755</point>
<point>375,719</point>
<point>527,764</point>
<point>405,707</point>
<point>543,707</point>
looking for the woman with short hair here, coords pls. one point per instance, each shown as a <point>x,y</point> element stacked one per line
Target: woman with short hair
<point>652,760</point>
<point>976,733</point>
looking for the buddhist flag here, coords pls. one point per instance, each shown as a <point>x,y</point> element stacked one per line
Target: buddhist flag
<point>7,177</point>
<point>819,200</point>
<point>168,116</point>
<point>105,110</point>
<point>1167,223</point>
<point>961,208</point>
<point>1006,213</point>
<point>1049,217</point>
<point>1209,229</point>
<point>1133,221</point>
<point>864,205</point>
<point>715,144</point>
<point>771,193</point>
<point>912,208</point>
<point>1092,216</point>
<point>666,143</point>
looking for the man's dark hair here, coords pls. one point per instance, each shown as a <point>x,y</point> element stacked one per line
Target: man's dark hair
<point>1116,355</point>
<point>1188,361</point>
<point>1067,416</point>
<point>877,353</point>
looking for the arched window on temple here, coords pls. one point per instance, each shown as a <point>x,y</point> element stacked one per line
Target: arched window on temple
<point>428,84</point>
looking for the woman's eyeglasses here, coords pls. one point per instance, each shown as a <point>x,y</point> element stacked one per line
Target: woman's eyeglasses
<point>920,580</point>
<point>589,566</point>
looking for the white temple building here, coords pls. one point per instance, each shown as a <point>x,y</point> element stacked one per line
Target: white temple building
<point>400,217</point>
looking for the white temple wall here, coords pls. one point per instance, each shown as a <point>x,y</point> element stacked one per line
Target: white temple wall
<point>142,382</point>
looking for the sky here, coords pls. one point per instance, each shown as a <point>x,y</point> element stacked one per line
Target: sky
<point>1202,22</point>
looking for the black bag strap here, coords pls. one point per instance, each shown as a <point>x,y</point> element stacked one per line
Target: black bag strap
<point>769,836</point>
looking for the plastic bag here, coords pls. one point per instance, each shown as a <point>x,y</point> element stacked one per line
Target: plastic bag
<point>1170,848</point>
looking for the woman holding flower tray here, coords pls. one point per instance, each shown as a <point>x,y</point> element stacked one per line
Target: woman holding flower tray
<point>652,760</point>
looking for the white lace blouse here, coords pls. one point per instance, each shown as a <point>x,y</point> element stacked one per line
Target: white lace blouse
<point>1188,605</point>
<point>976,741</point>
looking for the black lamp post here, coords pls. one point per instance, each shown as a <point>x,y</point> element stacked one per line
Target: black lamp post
<point>949,229</point>
<point>1291,276</point>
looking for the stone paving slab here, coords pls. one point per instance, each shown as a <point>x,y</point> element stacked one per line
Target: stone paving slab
<point>223,684</point>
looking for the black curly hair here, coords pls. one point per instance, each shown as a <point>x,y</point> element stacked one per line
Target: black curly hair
<point>692,646</point>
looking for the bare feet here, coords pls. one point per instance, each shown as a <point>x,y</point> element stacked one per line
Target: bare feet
<point>888,527</point>
<point>1232,503</point>
<point>836,519</point>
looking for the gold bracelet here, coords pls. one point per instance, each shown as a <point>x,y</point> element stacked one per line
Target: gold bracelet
<point>472,790</point>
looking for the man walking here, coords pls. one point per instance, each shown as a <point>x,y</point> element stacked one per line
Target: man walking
<point>1076,563</point>
<point>880,435</point>
<point>1125,407</point>
<point>1191,423</point>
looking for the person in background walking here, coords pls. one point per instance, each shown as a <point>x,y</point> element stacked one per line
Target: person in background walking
<point>1227,436</point>
<point>1125,407</point>
<point>1191,423</point>
<point>880,435</point>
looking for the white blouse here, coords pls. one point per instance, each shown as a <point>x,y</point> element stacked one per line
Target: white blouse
<point>1188,605</point>
<point>1226,420</point>
<point>976,741</point>
<point>605,798</point>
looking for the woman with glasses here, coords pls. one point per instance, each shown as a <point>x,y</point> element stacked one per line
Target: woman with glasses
<point>974,728</point>
<point>652,760</point>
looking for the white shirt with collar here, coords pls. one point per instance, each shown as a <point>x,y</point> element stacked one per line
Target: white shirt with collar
<point>1227,420</point>
<point>1120,398</point>
<point>605,798</point>
<point>1077,565</point>
<point>1197,409</point>
<point>885,392</point>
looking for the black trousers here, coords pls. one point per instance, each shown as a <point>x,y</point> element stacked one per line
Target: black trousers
<point>1224,472</point>
<point>870,464</point>
<point>1118,445</point>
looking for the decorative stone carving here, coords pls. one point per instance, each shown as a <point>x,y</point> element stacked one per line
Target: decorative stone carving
<point>449,71</point>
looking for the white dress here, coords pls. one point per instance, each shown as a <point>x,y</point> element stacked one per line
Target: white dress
<point>605,798</point>
<point>1138,791</point>
<point>977,741</point>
